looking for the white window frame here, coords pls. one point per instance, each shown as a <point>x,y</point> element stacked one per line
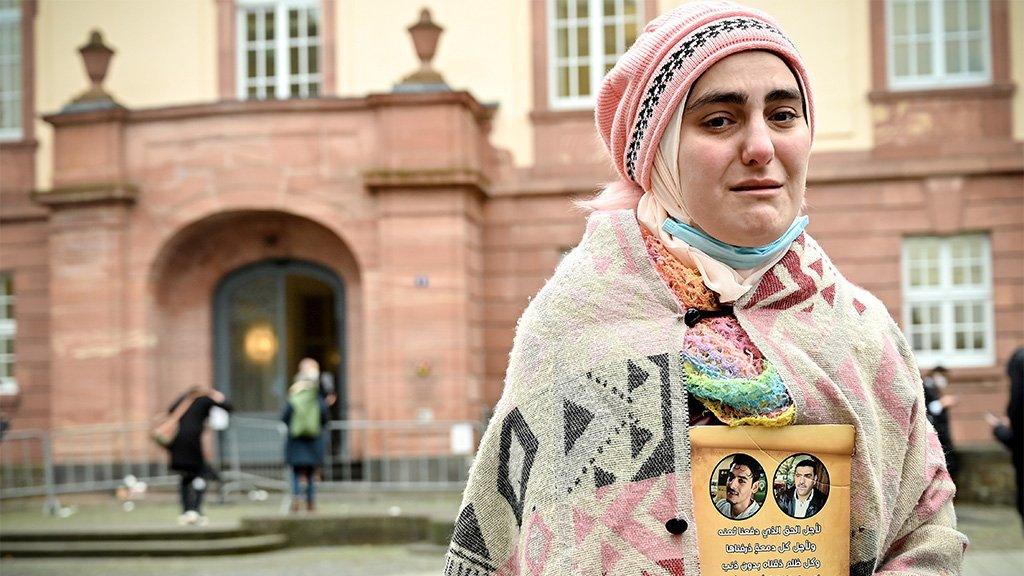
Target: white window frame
<point>284,77</point>
<point>8,331</point>
<point>939,78</point>
<point>12,17</point>
<point>946,295</point>
<point>596,20</point>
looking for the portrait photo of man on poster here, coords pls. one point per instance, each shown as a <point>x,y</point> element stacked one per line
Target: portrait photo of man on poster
<point>801,486</point>
<point>738,486</point>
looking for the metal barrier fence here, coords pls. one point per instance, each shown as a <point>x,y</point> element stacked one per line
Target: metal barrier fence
<point>250,453</point>
<point>81,459</point>
<point>400,455</point>
<point>383,455</point>
<point>24,468</point>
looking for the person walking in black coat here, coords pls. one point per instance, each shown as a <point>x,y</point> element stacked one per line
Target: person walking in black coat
<point>1010,430</point>
<point>937,403</point>
<point>187,452</point>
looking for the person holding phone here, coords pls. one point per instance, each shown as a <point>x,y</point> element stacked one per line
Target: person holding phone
<point>1009,430</point>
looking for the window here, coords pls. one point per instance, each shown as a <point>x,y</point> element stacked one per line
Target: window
<point>8,330</point>
<point>947,288</point>
<point>10,70</point>
<point>279,49</point>
<point>938,43</point>
<point>585,39</point>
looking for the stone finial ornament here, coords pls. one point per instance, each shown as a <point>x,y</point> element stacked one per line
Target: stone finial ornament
<point>425,35</point>
<point>96,57</point>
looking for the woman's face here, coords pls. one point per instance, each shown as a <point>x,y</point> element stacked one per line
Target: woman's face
<point>743,149</point>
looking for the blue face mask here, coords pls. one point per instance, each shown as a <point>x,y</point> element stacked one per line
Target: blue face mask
<point>737,257</point>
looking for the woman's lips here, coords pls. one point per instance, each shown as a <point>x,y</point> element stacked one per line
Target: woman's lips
<point>757,191</point>
<point>755,184</point>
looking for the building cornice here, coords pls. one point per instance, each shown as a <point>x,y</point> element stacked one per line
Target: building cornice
<point>834,167</point>
<point>482,112</point>
<point>87,194</point>
<point>387,180</point>
<point>113,114</point>
<point>22,216</point>
<point>255,107</point>
<point>23,145</point>
<point>999,90</point>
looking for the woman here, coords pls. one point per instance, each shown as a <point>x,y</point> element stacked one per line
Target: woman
<point>306,415</point>
<point>938,401</point>
<point>187,451</point>
<point>695,297</point>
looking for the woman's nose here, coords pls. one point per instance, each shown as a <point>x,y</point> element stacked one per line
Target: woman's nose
<point>758,148</point>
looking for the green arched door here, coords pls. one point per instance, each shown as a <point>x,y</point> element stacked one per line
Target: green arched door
<point>267,317</point>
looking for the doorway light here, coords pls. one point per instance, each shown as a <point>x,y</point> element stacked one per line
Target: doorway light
<point>260,343</point>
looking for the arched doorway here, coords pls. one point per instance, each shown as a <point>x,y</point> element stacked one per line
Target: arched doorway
<point>268,316</point>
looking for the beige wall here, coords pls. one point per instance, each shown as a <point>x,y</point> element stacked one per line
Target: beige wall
<point>485,48</point>
<point>166,54</point>
<point>174,62</point>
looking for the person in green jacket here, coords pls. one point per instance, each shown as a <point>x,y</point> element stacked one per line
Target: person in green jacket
<point>306,415</point>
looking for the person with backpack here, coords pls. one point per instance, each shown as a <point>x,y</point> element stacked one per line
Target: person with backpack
<point>191,411</point>
<point>306,414</point>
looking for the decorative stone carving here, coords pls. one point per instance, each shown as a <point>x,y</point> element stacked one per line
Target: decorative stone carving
<point>96,57</point>
<point>425,35</point>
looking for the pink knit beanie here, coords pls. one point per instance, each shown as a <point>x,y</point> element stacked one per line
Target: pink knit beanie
<point>640,94</point>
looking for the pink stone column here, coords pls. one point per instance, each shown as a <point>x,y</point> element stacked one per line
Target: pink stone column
<point>90,207</point>
<point>430,187</point>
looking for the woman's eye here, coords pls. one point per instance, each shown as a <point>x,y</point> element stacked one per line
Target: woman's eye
<point>783,116</point>
<point>718,122</point>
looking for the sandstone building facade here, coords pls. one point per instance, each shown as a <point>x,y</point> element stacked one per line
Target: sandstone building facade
<point>249,182</point>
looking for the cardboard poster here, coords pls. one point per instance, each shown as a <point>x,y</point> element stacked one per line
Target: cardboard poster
<point>772,500</point>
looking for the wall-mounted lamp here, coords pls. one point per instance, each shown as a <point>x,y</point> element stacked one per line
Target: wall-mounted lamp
<point>260,343</point>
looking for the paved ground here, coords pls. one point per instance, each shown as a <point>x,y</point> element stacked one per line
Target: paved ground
<point>339,561</point>
<point>161,509</point>
<point>997,543</point>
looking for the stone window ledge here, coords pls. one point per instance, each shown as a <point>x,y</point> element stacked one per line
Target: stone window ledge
<point>558,116</point>
<point>21,144</point>
<point>981,374</point>
<point>990,91</point>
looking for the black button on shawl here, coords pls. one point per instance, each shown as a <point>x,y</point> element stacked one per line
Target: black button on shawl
<point>676,526</point>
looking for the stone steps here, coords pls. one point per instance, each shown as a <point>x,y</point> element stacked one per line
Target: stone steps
<point>214,546</point>
<point>136,534</point>
<point>252,534</point>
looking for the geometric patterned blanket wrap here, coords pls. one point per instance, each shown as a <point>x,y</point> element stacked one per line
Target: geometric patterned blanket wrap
<point>587,454</point>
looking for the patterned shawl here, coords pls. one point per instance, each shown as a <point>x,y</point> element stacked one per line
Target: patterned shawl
<point>587,454</point>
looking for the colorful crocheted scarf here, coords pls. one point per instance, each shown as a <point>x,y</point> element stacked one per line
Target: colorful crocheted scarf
<point>724,370</point>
